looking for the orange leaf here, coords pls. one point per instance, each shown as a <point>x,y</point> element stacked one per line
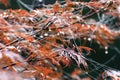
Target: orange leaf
<point>5,2</point>
<point>56,7</point>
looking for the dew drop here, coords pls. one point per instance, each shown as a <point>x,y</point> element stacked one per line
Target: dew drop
<point>41,36</point>
<point>19,50</point>
<point>84,38</point>
<point>83,25</point>
<point>101,26</point>
<point>89,39</point>
<point>46,34</point>
<point>88,26</point>
<point>106,52</point>
<point>106,47</point>
<point>62,32</point>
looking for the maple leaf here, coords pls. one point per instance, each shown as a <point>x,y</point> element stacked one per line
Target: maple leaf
<point>71,54</point>
<point>56,6</point>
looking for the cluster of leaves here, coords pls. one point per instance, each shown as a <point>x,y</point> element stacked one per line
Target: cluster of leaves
<point>40,43</point>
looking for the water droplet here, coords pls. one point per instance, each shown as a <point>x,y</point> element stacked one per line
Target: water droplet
<point>84,38</point>
<point>19,50</point>
<point>106,47</point>
<point>101,26</point>
<point>46,34</point>
<point>106,52</point>
<point>89,39</point>
<point>83,25</point>
<point>62,32</point>
<point>86,72</point>
<point>88,26</point>
<point>41,36</point>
